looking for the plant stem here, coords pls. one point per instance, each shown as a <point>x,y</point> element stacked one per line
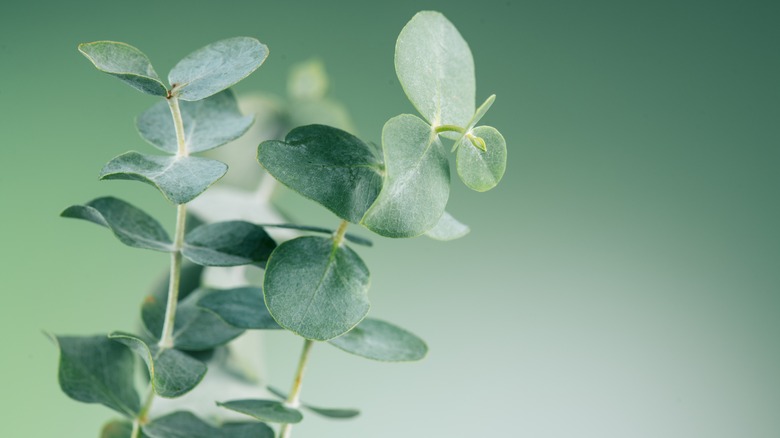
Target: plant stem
<point>293,400</point>
<point>449,128</point>
<point>178,123</point>
<point>338,237</point>
<point>143,415</point>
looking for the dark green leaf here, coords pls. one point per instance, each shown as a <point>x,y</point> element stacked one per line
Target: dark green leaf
<point>126,63</point>
<point>271,411</point>
<point>448,228</point>
<point>482,170</point>
<point>95,369</point>
<point>315,288</point>
<point>241,307</point>
<point>436,69</point>
<point>171,372</point>
<point>340,413</point>
<point>379,340</point>
<point>208,123</point>
<point>216,67</point>
<point>187,425</point>
<point>230,243</point>
<point>179,179</point>
<point>129,224</point>
<point>328,166</point>
<point>417,184</point>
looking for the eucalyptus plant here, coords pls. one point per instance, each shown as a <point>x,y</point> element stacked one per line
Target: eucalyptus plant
<point>315,285</point>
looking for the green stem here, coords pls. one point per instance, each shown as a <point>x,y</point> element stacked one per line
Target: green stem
<point>143,415</point>
<point>338,236</point>
<point>293,400</point>
<point>178,124</point>
<point>450,128</point>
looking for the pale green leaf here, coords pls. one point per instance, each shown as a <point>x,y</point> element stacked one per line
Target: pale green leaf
<point>230,243</point>
<point>186,425</point>
<point>315,288</point>
<point>436,69</point>
<point>95,369</point>
<point>179,179</point>
<point>241,307</point>
<point>417,184</point>
<point>327,165</point>
<point>448,228</point>
<point>171,372</point>
<point>129,224</point>
<point>481,111</point>
<point>126,63</point>
<point>336,413</point>
<point>216,67</point>
<point>208,123</point>
<point>307,81</point>
<point>482,170</point>
<point>271,411</point>
<point>379,340</point>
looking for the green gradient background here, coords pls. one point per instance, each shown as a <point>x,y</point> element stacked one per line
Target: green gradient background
<point>622,281</point>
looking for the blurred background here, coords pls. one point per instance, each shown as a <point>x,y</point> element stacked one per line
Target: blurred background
<point>622,281</point>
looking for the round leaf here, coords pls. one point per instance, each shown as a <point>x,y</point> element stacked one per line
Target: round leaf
<point>241,307</point>
<point>126,63</point>
<point>448,228</point>
<point>417,182</point>
<point>271,411</point>
<point>315,288</point>
<point>230,243</point>
<point>179,179</point>
<point>216,67</point>
<point>436,69</point>
<point>208,123</point>
<point>379,340</point>
<point>482,170</point>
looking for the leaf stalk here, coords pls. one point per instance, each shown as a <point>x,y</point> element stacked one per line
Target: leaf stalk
<point>293,400</point>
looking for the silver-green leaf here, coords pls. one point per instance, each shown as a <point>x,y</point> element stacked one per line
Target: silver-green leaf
<point>216,67</point>
<point>95,369</point>
<point>417,182</point>
<point>436,69</point>
<point>186,425</point>
<point>208,123</point>
<point>271,411</point>
<point>179,179</point>
<point>382,341</point>
<point>482,170</point>
<point>336,413</point>
<point>327,165</point>
<point>171,372</point>
<point>315,288</point>
<point>241,307</point>
<point>129,224</point>
<point>230,243</point>
<point>448,228</point>
<point>126,63</point>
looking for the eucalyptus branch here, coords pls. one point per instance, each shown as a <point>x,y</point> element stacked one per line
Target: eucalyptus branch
<point>293,400</point>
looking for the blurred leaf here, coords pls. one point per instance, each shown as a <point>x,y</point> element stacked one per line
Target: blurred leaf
<point>382,341</point>
<point>271,411</point>
<point>216,67</point>
<point>95,369</point>
<point>327,165</point>
<point>129,224</point>
<point>119,429</point>
<point>179,179</point>
<point>208,123</point>
<point>241,307</point>
<point>448,228</point>
<point>482,170</point>
<point>436,69</point>
<point>307,81</point>
<point>316,289</point>
<point>172,372</point>
<point>339,413</point>
<point>186,425</point>
<point>230,243</point>
<point>349,236</point>
<point>417,184</point>
<point>126,63</point>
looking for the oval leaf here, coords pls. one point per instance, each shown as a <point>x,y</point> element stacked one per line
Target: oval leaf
<point>216,67</point>
<point>338,413</point>
<point>448,228</point>
<point>186,425</point>
<point>83,376</point>
<point>171,372</point>
<point>327,165</point>
<point>126,63</point>
<point>179,179</point>
<point>417,184</point>
<point>379,340</point>
<point>231,243</point>
<point>315,288</point>
<point>208,123</point>
<point>436,69</point>
<point>271,411</point>
<point>482,170</point>
<point>129,224</point>
<point>241,307</point>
